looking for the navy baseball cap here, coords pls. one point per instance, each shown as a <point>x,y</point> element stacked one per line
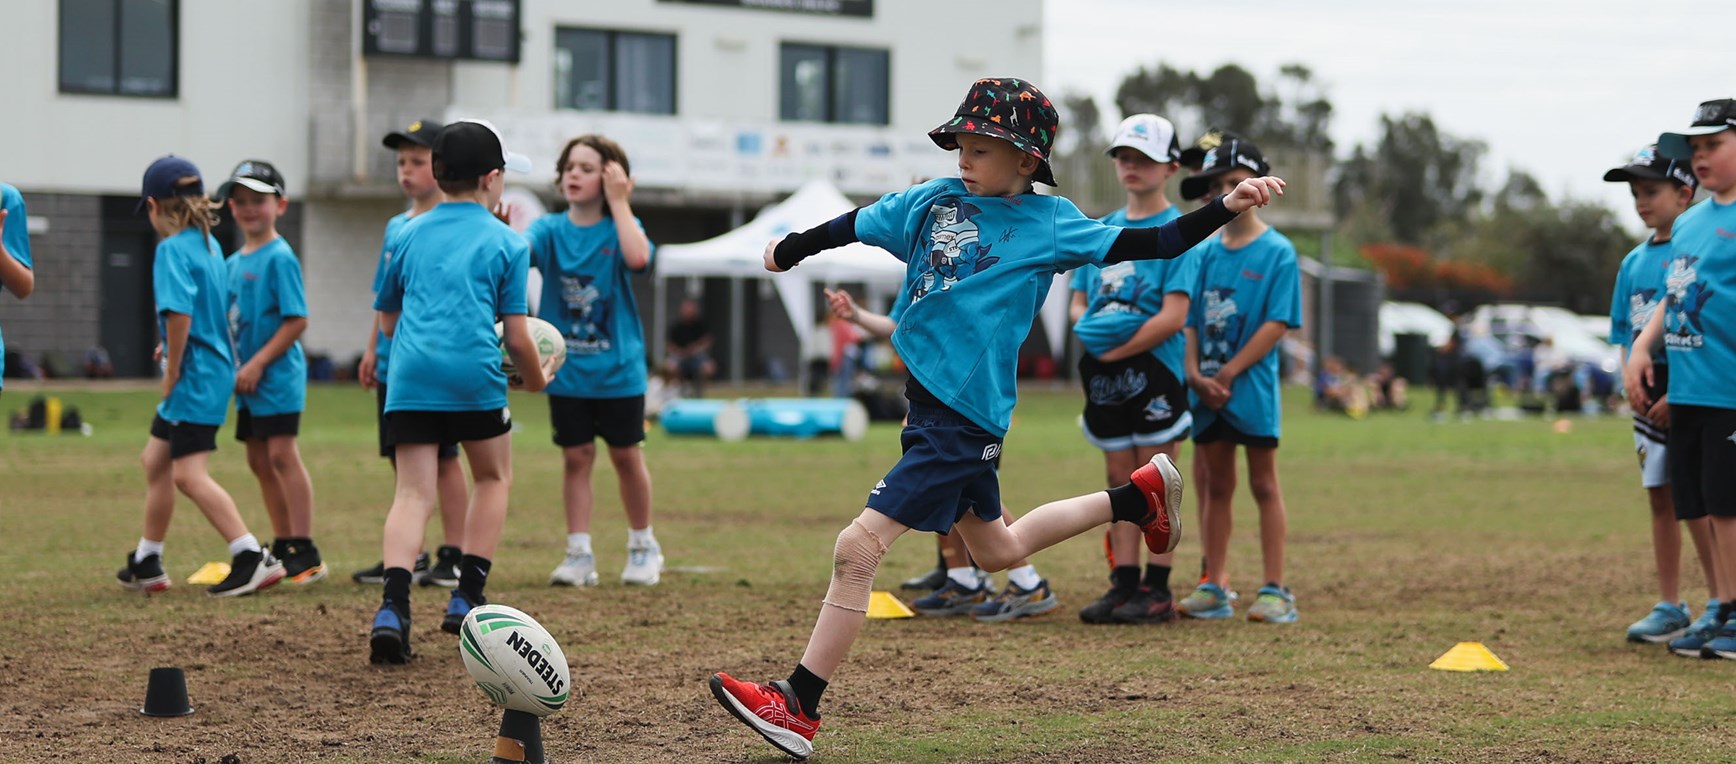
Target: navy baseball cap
<point>1232,154</point>
<point>161,177</point>
<point>1711,117</point>
<point>1194,156</point>
<point>256,174</point>
<point>1648,164</point>
<point>419,133</point>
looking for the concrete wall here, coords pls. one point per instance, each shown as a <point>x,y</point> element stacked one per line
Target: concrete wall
<point>62,315</point>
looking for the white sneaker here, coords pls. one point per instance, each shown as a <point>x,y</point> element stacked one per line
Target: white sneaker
<point>575,570</point>
<point>644,566</point>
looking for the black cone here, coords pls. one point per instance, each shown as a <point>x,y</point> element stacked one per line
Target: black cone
<point>166,695</point>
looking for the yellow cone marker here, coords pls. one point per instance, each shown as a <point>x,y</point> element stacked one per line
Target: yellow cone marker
<point>884,605</point>
<point>1469,656</point>
<point>210,573</point>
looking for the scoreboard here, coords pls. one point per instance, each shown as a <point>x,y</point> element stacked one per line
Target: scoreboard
<point>478,30</point>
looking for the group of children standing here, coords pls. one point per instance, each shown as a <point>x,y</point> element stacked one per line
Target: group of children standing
<point>1672,314</point>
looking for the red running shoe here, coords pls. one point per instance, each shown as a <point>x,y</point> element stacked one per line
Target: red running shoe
<point>1160,481</point>
<point>771,710</point>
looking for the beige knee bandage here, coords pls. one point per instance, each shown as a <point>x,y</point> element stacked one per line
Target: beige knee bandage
<point>854,561</point>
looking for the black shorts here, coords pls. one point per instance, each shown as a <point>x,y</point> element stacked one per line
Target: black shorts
<point>185,438</point>
<point>448,426</point>
<point>1702,461</point>
<point>1221,430</point>
<point>950,466</point>
<point>388,448</point>
<point>248,426</point>
<point>578,421</point>
<point>1133,402</point>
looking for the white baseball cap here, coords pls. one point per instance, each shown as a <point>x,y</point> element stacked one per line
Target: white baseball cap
<point>1150,134</point>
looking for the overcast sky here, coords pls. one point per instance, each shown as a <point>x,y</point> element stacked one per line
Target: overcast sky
<point>1563,89</point>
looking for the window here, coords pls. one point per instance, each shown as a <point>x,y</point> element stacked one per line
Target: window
<point>119,47</point>
<point>602,70</point>
<point>830,84</point>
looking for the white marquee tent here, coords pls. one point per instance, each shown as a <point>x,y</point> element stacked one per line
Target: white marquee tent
<point>740,254</point>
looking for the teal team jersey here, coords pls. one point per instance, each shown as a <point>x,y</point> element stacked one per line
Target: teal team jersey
<point>456,270</point>
<point>16,237</point>
<point>383,343</point>
<point>1240,291</point>
<point>1700,306</point>
<point>1121,297</point>
<point>977,269</point>
<point>264,289</point>
<point>1639,289</point>
<point>587,293</point>
<point>188,277</point>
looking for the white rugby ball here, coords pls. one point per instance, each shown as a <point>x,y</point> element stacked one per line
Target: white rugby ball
<point>548,340</point>
<point>514,660</point>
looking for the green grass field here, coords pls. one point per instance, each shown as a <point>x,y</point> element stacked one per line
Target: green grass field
<point>1406,537</point>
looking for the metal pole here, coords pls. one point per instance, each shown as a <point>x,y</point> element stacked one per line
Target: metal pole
<point>736,332</point>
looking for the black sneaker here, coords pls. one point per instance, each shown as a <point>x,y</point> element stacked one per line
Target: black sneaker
<point>445,570</point>
<point>377,574</point>
<point>1102,611</point>
<point>248,572</point>
<point>457,608</point>
<point>1147,606</point>
<point>389,638</point>
<point>926,582</point>
<point>302,563</point>
<point>144,575</point>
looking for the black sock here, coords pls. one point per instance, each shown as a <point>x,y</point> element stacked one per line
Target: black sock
<point>808,689</point>
<point>1157,578</point>
<point>1725,609</point>
<point>1126,578</point>
<point>1127,503</point>
<point>940,556</point>
<point>397,587</point>
<point>1202,566</point>
<point>472,577</point>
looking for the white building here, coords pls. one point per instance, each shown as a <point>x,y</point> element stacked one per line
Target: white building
<point>722,105</point>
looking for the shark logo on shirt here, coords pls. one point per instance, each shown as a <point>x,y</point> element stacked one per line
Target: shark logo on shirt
<point>1641,304</point>
<point>1119,291</point>
<point>1685,295</point>
<point>1222,329</point>
<point>955,248</point>
<point>587,315</point>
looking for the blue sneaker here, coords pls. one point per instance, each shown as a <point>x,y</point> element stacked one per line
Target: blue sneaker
<point>389,639</point>
<point>952,599</point>
<point>1699,632</point>
<point>1273,604</point>
<point>1015,602</point>
<point>1723,642</point>
<point>456,608</point>
<point>1666,622</point>
<point>1208,601</point>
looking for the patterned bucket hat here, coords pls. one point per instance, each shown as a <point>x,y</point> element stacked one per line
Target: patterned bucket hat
<point>1012,110</point>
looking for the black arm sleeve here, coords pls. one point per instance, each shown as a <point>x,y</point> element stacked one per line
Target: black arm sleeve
<point>1170,239</point>
<point>836,232</point>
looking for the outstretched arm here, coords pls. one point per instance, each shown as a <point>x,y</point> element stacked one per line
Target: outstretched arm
<point>1180,235</point>
<point>785,253</point>
<point>845,307</point>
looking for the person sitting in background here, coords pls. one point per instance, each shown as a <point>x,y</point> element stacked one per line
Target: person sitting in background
<point>97,364</point>
<point>1342,390</point>
<point>1388,389</point>
<point>690,349</point>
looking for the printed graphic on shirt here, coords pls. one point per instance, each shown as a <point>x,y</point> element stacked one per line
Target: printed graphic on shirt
<point>1119,289</point>
<point>587,327</point>
<point>1687,295</point>
<point>1223,327</point>
<point>956,249</point>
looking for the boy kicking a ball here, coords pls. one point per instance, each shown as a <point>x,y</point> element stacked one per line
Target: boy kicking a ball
<point>981,250</point>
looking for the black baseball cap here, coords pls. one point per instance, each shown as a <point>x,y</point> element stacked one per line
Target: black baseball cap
<point>419,133</point>
<point>1648,164</point>
<point>163,175</point>
<point>472,148</point>
<point>1232,154</point>
<point>256,174</point>
<point>1711,117</point>
<point>1194,156</point>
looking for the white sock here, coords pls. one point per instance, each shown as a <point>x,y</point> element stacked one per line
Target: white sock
<point>966,576</point>
<point>147,548</point>
<point>578,543</point>
<point>245,543</point>
<point>640,538</point>
<point>1025,576</point>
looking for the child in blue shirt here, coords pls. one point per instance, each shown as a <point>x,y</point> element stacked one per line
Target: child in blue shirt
<point>1129,317</point>
<point>267,314</point>
<point>1249,296</point>
<point>981,250</point>
<point>1696,326</point>
<point>414,147</point>
<point>458,270</point>
<point>1662,189</point>
<point>187,278</point>
<point>587,257</point>
<point>16,272</point>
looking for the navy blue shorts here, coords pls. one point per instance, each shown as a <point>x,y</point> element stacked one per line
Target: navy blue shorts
<point>950,467</point>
